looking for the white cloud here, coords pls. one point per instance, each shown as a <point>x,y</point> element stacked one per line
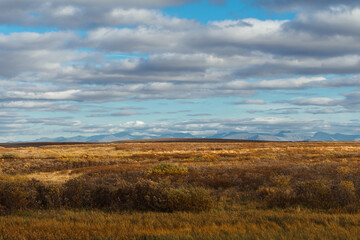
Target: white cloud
<point>133,51</point>
<point>85,14</point>
<point>293,83</point>
<point>251,102</point>
<point>66,11</point>
<point>320,101</point>
<point>304,5</point>
<point>60,95</point>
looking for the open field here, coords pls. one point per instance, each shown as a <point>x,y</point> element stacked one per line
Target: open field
<point>181,190</point>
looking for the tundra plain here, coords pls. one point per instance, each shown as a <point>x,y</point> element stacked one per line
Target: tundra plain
<point>180,190</point>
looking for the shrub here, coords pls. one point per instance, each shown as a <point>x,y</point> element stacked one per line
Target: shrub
<point>147,195</point>
<point>314,194</point>
<point>49,196</point>
<point>13,196</point>
<point>9,156</point>
<point>165,168</point>
<point>344,193</point>
<point>187,199</point>
<point>144,195</point>
<point>280,180</point>
<point>103,197</point>
<point>77,193</point>
<point>277,197</point>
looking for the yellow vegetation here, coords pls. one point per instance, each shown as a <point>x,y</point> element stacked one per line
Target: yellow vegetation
<point>186,190</point>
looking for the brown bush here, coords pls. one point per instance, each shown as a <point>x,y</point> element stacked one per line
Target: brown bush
<point>187,199</point>
<point>344,194</point>
<point>15,196</point>
<point>277,196</point>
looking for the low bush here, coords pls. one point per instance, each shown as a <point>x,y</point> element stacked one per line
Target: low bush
<point>9,156</point>
<point>165,168</point>
<point>314,194</point>
<point>12,196</point>
<point>277,196</point>
<point>143,195</point>
<point>187,199</point>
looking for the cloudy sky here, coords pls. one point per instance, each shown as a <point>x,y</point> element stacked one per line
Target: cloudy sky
<point>86,67</point>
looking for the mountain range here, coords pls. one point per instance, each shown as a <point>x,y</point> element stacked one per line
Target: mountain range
<point>281,136</point>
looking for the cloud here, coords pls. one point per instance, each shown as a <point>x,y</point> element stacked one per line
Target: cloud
<point>84,14</point>
<point>114,51</point>
<point>282,5</point>
<point>58,95</point>
<point>250,102</point>
<point>296,83</point>
<point>199,115</point>
<point>284,111</point>
<point>116,114</point>
<point>352,100</point>
<point>210,126</point>
<point>240,37</point>
<point>109,90</point>
<point>327,111</point>
<point>319,101</point>
<point>39,106</point>
<point>334,21</point>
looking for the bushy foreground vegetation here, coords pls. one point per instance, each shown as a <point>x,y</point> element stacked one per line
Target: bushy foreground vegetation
<point>195,189</point>
<point>199,179</point>
<point>103,193</point>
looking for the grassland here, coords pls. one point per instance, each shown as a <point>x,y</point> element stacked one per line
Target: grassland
<point>181,190</point>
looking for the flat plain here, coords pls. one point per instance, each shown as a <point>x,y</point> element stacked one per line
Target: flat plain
<point>180,190</point>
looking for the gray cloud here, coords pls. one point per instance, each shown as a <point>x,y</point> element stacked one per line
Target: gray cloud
<point>327,111</point>
<point>351,102</point>
<point>116,114</point>
<point>132,51</point>
<point>281,5</point>
<point>334,21</point>
<point>67,14</point>
<point>241,37</point>
<point>284,111</point>
<point>112,91</point>
<point>319,101</point>
<point>39,106</point>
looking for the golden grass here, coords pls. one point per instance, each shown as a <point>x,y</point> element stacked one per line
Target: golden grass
<point>56,158</point>
<point>57,177</point>
<point>240,224</point>
<point>247,181</point>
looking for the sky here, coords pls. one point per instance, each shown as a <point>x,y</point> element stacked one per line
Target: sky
<point>88,67</point>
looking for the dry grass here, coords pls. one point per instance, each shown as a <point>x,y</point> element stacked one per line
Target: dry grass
<point>57,177</point>
<point>243,223</point>
<point>250,190</point>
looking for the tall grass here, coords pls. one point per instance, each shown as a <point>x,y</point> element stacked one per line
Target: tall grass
<point>240,224</point>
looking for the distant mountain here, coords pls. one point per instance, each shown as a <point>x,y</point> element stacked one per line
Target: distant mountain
<point>113,137</point>
<point>321,136</point>
<point>281,136</point>
<point>177,135</point>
